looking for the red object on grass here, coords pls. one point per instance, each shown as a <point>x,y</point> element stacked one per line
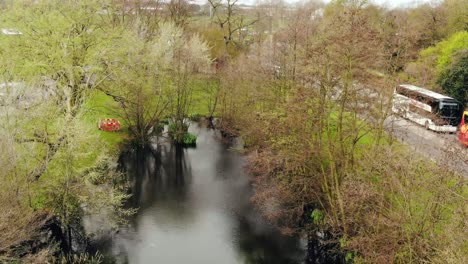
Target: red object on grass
<point>109,124</point>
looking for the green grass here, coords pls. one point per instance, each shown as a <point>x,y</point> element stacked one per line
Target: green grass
<point>364,134</point>
<point>87,146</point>
<point>100,106</point>
<point>202,91</point>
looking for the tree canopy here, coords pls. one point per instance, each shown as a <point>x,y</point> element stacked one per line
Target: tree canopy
<point>454,80</point>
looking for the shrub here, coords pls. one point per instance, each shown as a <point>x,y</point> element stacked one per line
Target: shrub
<point>165,121</point>
<point>195,117</point>
<point>190,139</point>
<point>454,79</point>
<point>444,51</point>
<point>180,135</point>
<point>159,128</point>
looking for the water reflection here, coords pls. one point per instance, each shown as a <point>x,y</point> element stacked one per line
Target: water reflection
<point>195,208</point>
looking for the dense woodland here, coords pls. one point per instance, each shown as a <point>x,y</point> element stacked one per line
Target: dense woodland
<point>308,87</point>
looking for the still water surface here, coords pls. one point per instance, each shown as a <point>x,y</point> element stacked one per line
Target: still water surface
<point>194,207</point>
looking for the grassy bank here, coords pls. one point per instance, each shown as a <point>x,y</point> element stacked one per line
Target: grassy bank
<point>100,106</point>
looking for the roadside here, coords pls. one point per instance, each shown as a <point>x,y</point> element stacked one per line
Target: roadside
<point>439,147</point>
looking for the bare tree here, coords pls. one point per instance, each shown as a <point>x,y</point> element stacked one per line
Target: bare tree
<point>179,12</point>
<point>230,19</point>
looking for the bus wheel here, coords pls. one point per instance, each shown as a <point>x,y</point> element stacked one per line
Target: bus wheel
<point>426,125</point>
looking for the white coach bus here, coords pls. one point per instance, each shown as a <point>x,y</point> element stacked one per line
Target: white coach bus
<point>432,110</point>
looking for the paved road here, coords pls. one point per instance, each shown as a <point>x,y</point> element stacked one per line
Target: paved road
<point>440,147</point>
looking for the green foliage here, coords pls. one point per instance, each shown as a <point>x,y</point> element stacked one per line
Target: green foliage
<point>62,41</point>
<point>456,12</point>
<point>454,80</point>
<point>190,139</point>
<point>316,149</point>
<point>61,60</point>
<point>206,91</point>
<point>172,128</point>
<point>152,79</point>
<point>349,257</point>
<point>344,242</point>
<point>38,202</point>
<point>317,216</point>
<point>158,129</point>
<point>165,121</point>
<point>180,135</point>
<point>84,258</point>
<point>97,106</point>
<point>445,50</point>
<point>195,117</point>
<point>214,36</point>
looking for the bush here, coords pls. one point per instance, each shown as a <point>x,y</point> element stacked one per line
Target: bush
<point>454,79</point>
<point>180,135</point>
<point>190,139</point>
<point>445,50</point>
<point>435,61</point>
<point>165,121</point>
<point>171,129</point>
<point>159,129</point>
<point>195,117</point>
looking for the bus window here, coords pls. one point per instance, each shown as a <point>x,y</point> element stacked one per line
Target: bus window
<point>403,91</point>
<point>449,110</point>
<point>434,107</point>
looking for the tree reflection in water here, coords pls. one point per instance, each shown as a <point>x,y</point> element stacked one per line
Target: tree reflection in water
<point>194,207</point>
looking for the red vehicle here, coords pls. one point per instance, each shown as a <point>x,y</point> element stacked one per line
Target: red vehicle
<point>463,134</point>
<point>109,124</point>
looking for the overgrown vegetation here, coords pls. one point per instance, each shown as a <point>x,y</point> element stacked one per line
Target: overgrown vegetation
<point>454,78</point>
<point>313,113</point>
<point>308,88</point>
